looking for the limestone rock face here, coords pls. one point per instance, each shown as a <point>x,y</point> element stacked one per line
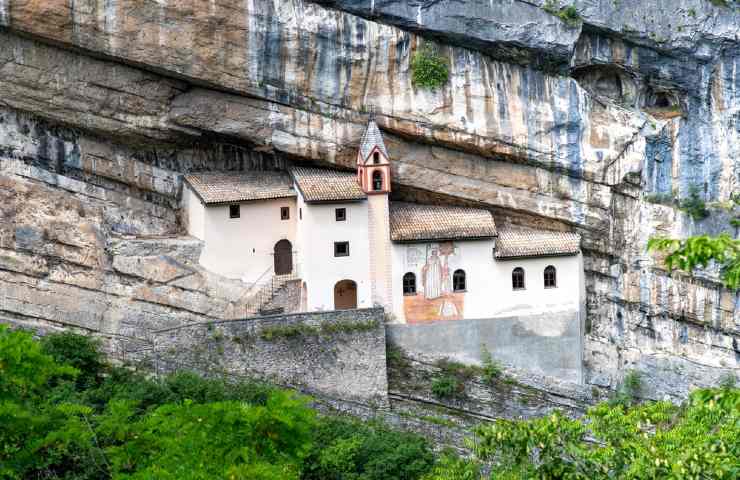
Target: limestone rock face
<point>593,127</point>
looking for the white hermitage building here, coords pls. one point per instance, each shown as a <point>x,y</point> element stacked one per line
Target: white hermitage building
<point>349,246</point>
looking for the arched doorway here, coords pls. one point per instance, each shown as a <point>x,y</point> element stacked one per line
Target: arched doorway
<point>283,257</point>
<point>345,295</point>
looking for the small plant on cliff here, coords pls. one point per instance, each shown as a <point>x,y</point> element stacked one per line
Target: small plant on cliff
<point>429,70</point>
<point>694,205</point>
<point>447,386</point>
<point>628,390</point>
<point>567,14</point>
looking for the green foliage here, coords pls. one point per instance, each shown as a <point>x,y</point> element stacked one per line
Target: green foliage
<point>325,328</point>
<point>452,467</point>
<point>123,424</point>
<point>491,368</point>
<point>347,449</point>
<point>447,386</point>
<point>568,14</point>
<point>429,70</point>
<point>694,205</point>
<point>24,368</point>
<point>78,351</point>
<point>653,440</point>
<point>629,389</point>
<point>700,251</point>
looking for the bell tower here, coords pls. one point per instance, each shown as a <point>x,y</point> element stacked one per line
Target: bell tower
<point>373,165</point>
<point>374,177</point>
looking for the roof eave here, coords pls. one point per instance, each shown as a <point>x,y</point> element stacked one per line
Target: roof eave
<point>442,239</point>
<point>541,255</point>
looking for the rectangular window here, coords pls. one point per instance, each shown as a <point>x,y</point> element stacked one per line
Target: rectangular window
<point>233,211</point>
<point>340,214</point>
<point>341,249</point>
<point>284,213</point>
<point>300,214</point>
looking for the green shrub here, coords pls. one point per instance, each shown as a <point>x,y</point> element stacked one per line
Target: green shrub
<point>429,70</point>
<point>567,14</point>
<point>348,449</point>
<point>447,386</point>
<point>694,205</point>
<point>491,368</point>
<point>629,390</point>
<point>79,351</point>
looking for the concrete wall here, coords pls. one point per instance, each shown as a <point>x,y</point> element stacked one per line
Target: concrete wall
<point>347,363</point>
<point>243,247</point>
<point>320,269</point>
<point>549,344</point>
<point>381,258</point>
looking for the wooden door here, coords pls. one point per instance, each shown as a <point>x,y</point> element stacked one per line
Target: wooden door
<point>283,257</point>
<point>345,295</point>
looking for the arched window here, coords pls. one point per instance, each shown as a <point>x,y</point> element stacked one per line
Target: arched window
<point>550,277</point>
<point>517,278</point>
<point>377,180</point>
<point>376,157</point>
<point>409,284</point>
<point>458,281</point>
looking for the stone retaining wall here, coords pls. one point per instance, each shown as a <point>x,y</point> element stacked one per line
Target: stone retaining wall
<point>339,354</point>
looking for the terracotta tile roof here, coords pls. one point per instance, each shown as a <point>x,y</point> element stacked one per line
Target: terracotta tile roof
<point>517,243</point>
<point>324,185</point>
<point>370,139</point>
<point>413,222</point>
<point>227,187</point>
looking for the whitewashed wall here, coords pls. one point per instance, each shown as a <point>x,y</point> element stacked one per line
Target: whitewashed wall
<point>489,291</point>
<point>196,213</point>
<point>243,247</point>
<point>320,269</point>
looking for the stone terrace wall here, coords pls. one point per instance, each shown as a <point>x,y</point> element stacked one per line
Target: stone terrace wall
<point>338,354</point>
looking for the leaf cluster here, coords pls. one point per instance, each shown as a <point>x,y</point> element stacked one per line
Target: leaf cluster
<point>699,252</point>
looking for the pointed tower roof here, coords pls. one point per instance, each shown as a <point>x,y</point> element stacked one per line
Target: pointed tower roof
<point>370,139</point>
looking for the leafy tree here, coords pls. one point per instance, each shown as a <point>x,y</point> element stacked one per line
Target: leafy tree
<point>700,251</point>
<point>699,440</point>
<point>348,449</point>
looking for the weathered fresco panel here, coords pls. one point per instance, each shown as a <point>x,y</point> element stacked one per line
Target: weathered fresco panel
<point>433,265</point>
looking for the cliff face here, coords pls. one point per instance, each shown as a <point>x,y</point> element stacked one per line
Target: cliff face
<point>103,104</point>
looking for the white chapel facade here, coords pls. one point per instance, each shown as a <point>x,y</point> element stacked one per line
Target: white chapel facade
<point>339,235</point>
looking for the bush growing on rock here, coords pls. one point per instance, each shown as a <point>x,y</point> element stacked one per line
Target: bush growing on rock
<point>429,70</point>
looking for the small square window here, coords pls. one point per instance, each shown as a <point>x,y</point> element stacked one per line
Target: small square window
<point>284,213</point>
<point>341,249</point>
<point>233,211</point>
<point>340,214</point>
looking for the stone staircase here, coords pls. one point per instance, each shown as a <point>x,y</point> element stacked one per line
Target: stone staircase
<point>262,300</point>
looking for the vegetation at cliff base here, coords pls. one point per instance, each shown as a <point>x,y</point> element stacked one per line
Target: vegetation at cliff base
<point>65,413</point>
<point>429,70</point>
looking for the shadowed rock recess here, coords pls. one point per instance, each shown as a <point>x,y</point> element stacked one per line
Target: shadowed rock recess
<point>578,127</point>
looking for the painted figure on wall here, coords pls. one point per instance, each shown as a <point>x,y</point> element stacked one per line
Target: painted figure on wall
<point>436,300</point>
